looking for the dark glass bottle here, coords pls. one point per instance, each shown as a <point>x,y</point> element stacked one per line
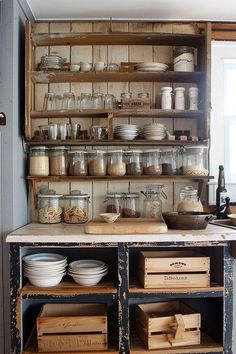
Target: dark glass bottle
<point>220,192</point>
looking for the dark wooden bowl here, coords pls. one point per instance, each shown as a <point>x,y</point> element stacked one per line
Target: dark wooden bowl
<point>186,220</point>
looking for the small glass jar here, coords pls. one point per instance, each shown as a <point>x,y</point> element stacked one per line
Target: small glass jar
<point>189,200</point>
<point>49,208</point>
<point>183,58</point>
<point>39,161</point>
<point>97,101</point>
<point>166,97</point>
<point>195,161</point>
<point>125,95</point>
<point>78,165</point>
<point>131,207</point>
<point>179,98</point>
<point>59,101</point>
<point>152,204</point>
<point>85,101</point>
<point>58,161</point>
<point>134,163</point>
<point>75,208</point>
<point>109,101</point>
<point>68,100</point>
<point>114,203</point>
<point>97,163</point>
<point>169,161</point>
<point>151,162</point>
<point>116,163</point>
<point>49,101</point>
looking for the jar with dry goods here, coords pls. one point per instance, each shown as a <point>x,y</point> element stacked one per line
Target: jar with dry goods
<point>189,200</point>
<point>114,203</point>
<point>116,163</point>
<point>49,208</point>
<point>134,164</point>
<point>152,204</point>
<point>170,161</point>
<point>97,163</point>
<point>39,161</point>
<point>75,208</point>
<point>58,161</point>
<point>131,208</point>
<point>195,161</point>
<point>78,165</point>
<point>151,162</point>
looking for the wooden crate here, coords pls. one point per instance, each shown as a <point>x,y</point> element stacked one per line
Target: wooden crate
<point>72,327</point>
<point>174,269</point>
<point>167,324</point>
<point>136,103</point>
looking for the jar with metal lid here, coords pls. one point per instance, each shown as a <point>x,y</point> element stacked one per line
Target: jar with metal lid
<point>125,95</point>
<point>78,164</point>
<point>131,208</point>
<point>97,163</point>
<point>58,161</point>
<point>134,164</point>
<point>39,161</point>
<point>152,204</point>
<point>116,163</point>
<point>151,162</point>
<point>183,58</point>
<point>114,203</point>
<point>75,208</point>
<point>169,161</point>
<point>189,200</point>
<point>49,208</point>
<point>195,161</point>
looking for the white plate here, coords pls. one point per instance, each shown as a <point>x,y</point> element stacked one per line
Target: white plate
<point>151,64</point>
<point>154,69</point>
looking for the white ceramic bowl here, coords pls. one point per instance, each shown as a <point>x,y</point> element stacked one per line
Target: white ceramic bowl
<point>86,280</point>
<point>45,281</point>
<point>49,273</point>
<point>93,264</point>
<point>109,217</point>
<point>44,259</point>
<point>87,272</point>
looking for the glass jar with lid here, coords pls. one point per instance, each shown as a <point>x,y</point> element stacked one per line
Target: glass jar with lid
<point>134,164</point>
<point>49,208</point>
<point>131,208</point>
<point>189,200</point>
<point>85,101</point>
<point>152,204</point>
<point>183,58</point>
<point>97,101</point>
<point>58,161</point>
<point>195,161</point>
<point>97,163</point>
<point>169,161</point>
<point>114,203</point>
<point>75,208</point>
<point>39,161</point>
<point>116,163</point>
<point>151,162</point>
<point>78,164</point>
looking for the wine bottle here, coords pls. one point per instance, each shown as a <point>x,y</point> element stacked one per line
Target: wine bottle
<point>220,192</point>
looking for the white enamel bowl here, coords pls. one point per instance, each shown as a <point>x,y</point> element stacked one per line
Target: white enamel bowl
<point>43,282</point>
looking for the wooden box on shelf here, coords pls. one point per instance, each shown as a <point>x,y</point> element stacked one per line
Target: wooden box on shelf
<point>72,327</point>
<point>174,269</point>
<point>135,103</point>
<point>167,324</point>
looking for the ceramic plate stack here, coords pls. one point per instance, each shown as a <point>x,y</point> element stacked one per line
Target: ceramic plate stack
<point>152,66</point>
<point>126,131</point>
<point>87,272</point>
<point>154,131</point>
<point>45,269</point>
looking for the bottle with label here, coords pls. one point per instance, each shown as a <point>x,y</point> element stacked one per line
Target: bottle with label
<point>220,192</point>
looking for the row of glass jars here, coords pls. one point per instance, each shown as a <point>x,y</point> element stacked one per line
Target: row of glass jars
<point>58,161</point>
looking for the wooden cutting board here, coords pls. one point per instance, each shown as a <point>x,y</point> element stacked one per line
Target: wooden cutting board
<point>126,226</point>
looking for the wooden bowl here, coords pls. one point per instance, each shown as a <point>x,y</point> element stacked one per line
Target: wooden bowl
<point>232,218</point>
<point>109,217</point>
<point>186,220</point>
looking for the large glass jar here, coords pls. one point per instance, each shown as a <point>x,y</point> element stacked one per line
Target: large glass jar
<point>85,101</point>
<point>58,161</point>
<point>78,165</point>
<point>114,203</point>
<point>97,101</point>
<point>152,204</point>
<point>151,162</point>
<point>189,200</point>
<point>131,207</point>
<point>116,163</point>
<point>97,163</point>
<point>195,161</point>
<point>49,208</point>
<point>75,208</point>
<point>170,161</point>
<point>134,164</point>
<point>39,161</point>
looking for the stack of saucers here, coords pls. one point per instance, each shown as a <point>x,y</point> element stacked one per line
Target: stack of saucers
<point>126,131</point>
<point>87,272</point>
<point>154,131</point>
<point>45,269</point>
<point>151,66</point>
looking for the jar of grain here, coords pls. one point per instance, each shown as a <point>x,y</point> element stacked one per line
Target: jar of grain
<point>78,165</point>
<point>49,208</point>
<point>58,161</point>
<point>97,163</point>
<point>75,208</point>
<point>39,161</point>
<point>134,163</point>
<point>115,163</point>
<point>195,161</point>
<point>151,162</point>
<point>189,200</point>
<point>131,207</point>
<point>114,203</point>
<point>169,161</point>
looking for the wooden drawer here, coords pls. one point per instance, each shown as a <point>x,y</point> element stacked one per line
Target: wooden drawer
<point>68,327</point>
<point>167,324</point>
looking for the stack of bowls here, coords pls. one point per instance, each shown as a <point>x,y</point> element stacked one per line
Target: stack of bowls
<point>151,66</point>
<point>44,269</point>
<point>126,131</point>
<point>154,131</point>
<point>87,272</point>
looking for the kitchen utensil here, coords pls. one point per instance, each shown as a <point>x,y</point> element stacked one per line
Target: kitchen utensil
<point>109,217</point>
<point>187,220</point>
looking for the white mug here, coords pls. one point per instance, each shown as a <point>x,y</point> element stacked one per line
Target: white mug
<point>74,67</point>
<point>85,66</point>
<point>99,66</point>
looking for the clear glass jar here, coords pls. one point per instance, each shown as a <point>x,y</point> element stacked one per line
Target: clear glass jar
<point>125,95</point>
<point>59,101</point>
<point>49,101</point>
<point>189,200</point>
<point>195,161</point>
<point>116,163</point>
<point>151,162</point>
<point>58,161</point>
<point>68,100</point>
<point>39,161</point>
<point>97,101</point>
<point>170,161</point>
<point>114,203</point>
<point>134,163</point>
<point>75,208</point>
<point>78,164</point>
<point>131,208</point>
<point>97,163</point>
<point>152,204</point>
<point>109,101</point>
<point>85,101</point>
<point>49,208</point>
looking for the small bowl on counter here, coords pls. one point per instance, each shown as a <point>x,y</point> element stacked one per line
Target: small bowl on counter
<point>109,217</point>
<point>186,220</point>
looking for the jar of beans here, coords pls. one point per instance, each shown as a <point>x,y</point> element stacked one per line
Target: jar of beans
<point>78,165</point>
<point>134,164</point>
<point>114,203</point>
<point>151,162</point>
<point>170,161</point>
<point>58,161</point>
<point>131,208</point>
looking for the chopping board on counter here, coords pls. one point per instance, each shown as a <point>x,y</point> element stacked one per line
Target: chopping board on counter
<point>126,226</point>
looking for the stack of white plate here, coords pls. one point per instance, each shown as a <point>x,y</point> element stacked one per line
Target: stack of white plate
<point>126,131</point>
<point>87,272</point>
<point>45,269</point>
<point>152,66</point>
<point>154,131</point>
<point>51,62</point>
